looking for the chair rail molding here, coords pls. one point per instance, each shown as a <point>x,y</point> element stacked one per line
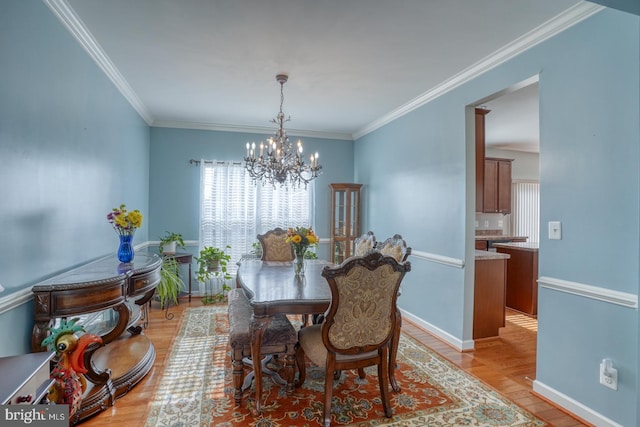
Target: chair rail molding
<point>440,259</point>
<point>15,299</point>
<point>623,299</point>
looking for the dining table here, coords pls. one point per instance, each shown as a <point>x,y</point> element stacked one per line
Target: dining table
<point>273,288</point>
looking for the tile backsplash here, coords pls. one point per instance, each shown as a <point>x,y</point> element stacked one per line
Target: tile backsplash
<point>492,223</point>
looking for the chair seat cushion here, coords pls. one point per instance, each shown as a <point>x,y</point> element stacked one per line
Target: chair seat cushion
<point>310,339</point>
<point>279,332</point>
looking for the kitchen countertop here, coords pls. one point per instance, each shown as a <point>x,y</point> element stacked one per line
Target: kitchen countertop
<point>499,237</point>
<point>487,255</point>
<point>525,246</point>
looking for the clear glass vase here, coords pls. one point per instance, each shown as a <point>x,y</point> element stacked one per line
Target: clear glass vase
<point>298,263</point>
<point>125,250</point>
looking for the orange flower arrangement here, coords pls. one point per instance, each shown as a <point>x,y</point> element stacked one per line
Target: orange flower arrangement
<point>301,238</point>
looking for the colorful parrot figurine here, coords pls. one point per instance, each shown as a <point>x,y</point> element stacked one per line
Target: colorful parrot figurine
<point>69,369</point>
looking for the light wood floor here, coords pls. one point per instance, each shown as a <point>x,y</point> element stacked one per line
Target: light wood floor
<point>507,364</point>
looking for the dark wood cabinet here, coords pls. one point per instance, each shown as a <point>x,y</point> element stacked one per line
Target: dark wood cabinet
<point>480,154</point>
<point>522,276</point>
<point>481,245</point>
<point>497,185</point>
<point>489,296</point>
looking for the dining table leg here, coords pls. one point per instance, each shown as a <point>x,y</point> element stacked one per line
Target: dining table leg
<point>258,326</point>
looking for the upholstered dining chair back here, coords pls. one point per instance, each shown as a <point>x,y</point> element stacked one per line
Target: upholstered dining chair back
<point>364,243</point>
<point>274,245</point>
<point>396,247</point>
<point>359,325</point>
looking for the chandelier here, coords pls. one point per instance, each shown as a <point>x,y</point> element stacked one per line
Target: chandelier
<point>276,160</point>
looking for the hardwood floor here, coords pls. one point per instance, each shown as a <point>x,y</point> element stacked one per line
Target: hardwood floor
<point>507,364</point>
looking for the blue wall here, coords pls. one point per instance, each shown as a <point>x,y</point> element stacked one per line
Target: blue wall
<point>174,182</point>
<point>589,173</point>
<point>72,148</point>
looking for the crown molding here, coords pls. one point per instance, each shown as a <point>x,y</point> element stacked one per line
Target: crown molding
<point>76,27</point>
<point>250,129</point>
<point>555,25</point>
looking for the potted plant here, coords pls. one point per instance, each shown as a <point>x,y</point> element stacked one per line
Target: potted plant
<point>169,242</point>
<point>170,283</point>
<point>212,263</point>
<point>256,249</point>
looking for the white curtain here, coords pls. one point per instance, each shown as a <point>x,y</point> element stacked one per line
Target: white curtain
<point>234,210</point>
<point>526,209</point>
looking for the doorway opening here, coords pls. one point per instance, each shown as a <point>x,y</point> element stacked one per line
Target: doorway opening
<point>512,132</point>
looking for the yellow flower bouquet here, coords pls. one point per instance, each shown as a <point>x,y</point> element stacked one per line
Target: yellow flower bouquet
<point>301,238</point>
<point>125,223</point>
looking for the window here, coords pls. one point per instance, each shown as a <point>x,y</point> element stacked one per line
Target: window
<point>526,209</point>
<point>234,210</point>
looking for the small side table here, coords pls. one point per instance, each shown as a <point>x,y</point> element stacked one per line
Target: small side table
<point>185,258</point>
<point>25,378</point>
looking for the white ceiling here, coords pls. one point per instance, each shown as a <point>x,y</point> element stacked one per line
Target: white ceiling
<point>513,120</point>
<point>353,65</point>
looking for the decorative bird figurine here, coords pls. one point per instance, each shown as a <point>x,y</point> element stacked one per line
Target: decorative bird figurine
<point>69,369</point>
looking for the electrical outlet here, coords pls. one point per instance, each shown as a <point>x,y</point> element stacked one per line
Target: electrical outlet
<point>608,374</point>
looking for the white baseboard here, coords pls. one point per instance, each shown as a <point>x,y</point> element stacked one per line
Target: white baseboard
<point>443,335</point>
<point>573,406</point>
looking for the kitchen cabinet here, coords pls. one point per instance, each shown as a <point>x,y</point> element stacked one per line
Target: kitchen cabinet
<point>522,276</point>
<point>497,185</point>
<point>480,154</point>
<point>489,294</point>
<point>345,220</point>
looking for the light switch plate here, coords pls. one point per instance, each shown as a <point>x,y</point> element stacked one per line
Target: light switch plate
<point>555,230</point>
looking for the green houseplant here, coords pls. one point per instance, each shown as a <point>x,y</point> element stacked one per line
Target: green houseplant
<point>212,263</point>
<point>170,283</point>
<point>169,242</point>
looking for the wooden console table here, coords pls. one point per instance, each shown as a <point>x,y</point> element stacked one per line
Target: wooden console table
<point>110,300</point>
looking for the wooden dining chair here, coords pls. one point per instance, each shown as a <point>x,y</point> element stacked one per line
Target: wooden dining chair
<point>364,243</point>
<point>359,325</point>
<point>275,247</point>
<point>396,247</point>
<point>279,339</point>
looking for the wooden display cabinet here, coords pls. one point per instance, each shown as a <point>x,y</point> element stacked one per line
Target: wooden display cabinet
<point>345,220</point>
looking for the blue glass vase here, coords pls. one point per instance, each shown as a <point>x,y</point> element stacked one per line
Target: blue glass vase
<point>125,250</point>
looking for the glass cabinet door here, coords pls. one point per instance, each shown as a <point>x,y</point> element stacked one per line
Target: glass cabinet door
<point>345,219</point>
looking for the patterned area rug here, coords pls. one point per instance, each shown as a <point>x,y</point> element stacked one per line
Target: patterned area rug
<point>197,389</point>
